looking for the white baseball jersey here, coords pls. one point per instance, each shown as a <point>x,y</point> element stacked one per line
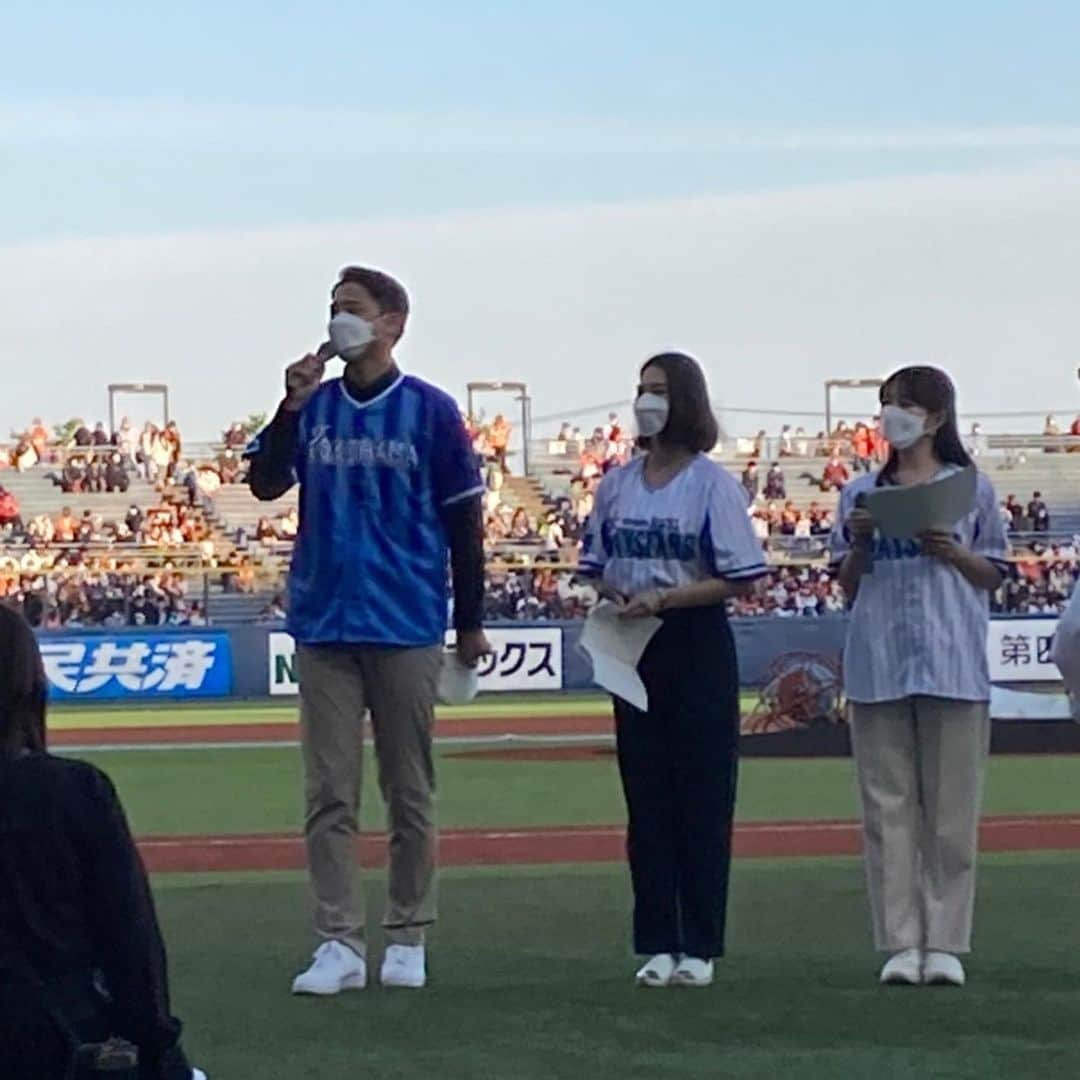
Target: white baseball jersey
<point>918,626</point>
<point>693,528</point>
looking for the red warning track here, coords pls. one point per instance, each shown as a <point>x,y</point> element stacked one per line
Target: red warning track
<point>493,847</point>
<point>238,734</point>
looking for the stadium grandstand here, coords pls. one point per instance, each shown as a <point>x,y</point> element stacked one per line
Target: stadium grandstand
<point>129,526</point>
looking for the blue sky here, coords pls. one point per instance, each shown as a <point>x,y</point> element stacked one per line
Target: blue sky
<point>140,116</point>
<point>126,127</point>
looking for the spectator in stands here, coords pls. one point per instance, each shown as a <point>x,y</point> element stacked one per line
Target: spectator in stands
<point>977,445</point>
<point>265,531</point>
<point>775,485</point>
<point>134,520</point>
<point>126,440</point>
<point>236,437</point>
<point>274,611</point>
<point>520,526</point>
<point>751,481</point>
<point>1038,513</point>
<point>65,526</point>
<point>9,509</point>
<point>39,436</point>
<point>146,457</point>
<point>99,437</point>
<point>836,474</point>
<point>230,467</point>
<point>552,532</point>
<point>82,436</point>
<point>802,443</point>
<point>613,432</point>
<point>759,523</point>
<point>1051,431</point>
<point>787,442</point>
<point>23,456</point>
<point>499,441</point>
<point>821,521</point>
<point>173,444</point>
<point>288,524</point>
<point>1015,510</point>
<point>862,446</point>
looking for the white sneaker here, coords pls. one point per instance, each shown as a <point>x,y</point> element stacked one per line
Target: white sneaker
<point>657,972</point>
<point>943,969</point>
<point>335,967</point>
<point>198,1074</point>
<point>693,971</point>
<point>404,966</point>
<point>903,969</point>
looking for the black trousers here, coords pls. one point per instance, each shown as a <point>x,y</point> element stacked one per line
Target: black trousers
<point>678,763</point>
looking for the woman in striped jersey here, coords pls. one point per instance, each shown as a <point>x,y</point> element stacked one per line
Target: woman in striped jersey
<point>917,680</point>
<point>670,536</point>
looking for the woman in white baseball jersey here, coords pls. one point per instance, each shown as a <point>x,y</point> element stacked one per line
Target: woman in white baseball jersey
<point>670,536</point>
<point>917,679</point>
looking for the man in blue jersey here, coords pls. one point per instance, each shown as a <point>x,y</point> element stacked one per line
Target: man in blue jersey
<point>389,485</point>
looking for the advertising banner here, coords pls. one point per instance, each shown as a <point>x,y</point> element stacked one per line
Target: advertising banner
<point>149,666</point>
<point>524,658</point>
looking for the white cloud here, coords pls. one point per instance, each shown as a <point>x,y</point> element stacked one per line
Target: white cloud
<point>774,292</point>
<point>342,130</point>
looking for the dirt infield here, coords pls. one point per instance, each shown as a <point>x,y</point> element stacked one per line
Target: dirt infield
<point>494,847</point>
<point>239,734</point>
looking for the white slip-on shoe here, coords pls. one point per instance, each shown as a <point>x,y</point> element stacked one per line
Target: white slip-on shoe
<point>335,967</point>
<point>657,972</point>
<point>404,966</point>
<point>693,971</point>
<point>198,1074</point>
<point>943,969</point>
<point>903,969</point>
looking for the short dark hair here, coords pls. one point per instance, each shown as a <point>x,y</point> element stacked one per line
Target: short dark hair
<point>691,423</point>
<point>23,686</point>
<point>386,291</point>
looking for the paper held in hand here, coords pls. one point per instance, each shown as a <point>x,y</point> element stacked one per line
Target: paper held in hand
<point>904,512</point>
<point>615,645</point>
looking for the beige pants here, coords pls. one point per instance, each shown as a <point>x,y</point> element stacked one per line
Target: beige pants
<point>338,684</point>
<point>920,764</point>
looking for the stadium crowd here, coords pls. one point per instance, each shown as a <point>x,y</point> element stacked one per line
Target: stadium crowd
<point>76,569</point>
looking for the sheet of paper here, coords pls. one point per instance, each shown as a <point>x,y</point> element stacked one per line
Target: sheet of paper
<point>904,512</point>
<point>615,646</point>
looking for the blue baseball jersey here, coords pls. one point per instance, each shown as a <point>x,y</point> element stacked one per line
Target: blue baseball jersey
<point>918,626</point>
<point>370,563</point>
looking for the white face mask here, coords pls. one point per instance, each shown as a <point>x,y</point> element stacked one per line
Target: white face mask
<point>349,334</point>
<point>902,429</point>
<point>651,414</point>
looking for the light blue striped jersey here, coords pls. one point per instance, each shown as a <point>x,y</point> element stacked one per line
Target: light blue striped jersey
<point>918,626</point>
<point>370,564</point>
<point>695,527</point>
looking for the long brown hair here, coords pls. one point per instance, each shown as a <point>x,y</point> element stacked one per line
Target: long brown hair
<point>23,686</point>
<point>931,389</point>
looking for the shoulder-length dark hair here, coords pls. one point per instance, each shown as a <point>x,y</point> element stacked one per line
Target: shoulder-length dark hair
<point>691,423</point>
<point>931,389</point>
<point>23,687</point>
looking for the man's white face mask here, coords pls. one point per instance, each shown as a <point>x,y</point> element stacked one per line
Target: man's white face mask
<point>349,335</point>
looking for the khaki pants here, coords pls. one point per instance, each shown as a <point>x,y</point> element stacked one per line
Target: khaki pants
<point>920,764</point>
<point>338,683</point>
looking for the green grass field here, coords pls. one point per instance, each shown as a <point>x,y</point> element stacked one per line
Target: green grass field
<point>240,789</point>
<point>530,978</point>
<point>531,967</point>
